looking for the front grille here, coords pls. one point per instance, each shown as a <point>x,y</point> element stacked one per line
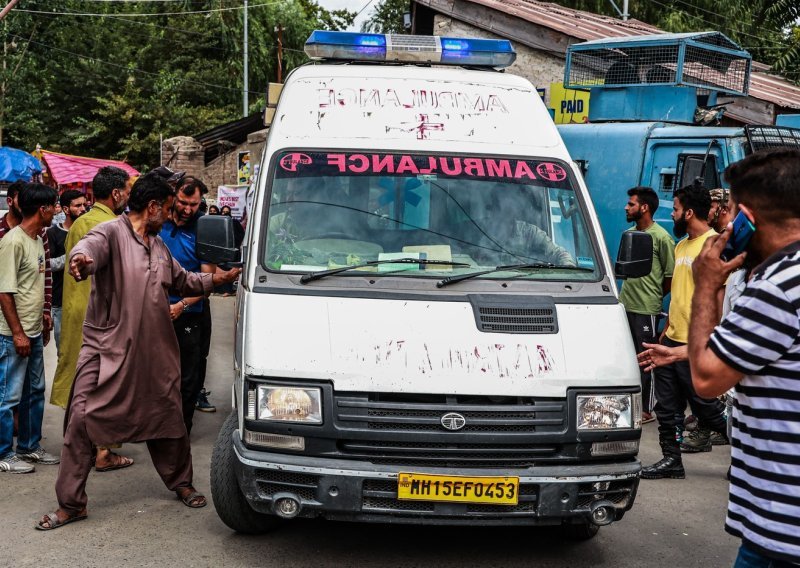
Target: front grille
<point>489,455</point>
<point>271,482</point>
<point>518,415</point>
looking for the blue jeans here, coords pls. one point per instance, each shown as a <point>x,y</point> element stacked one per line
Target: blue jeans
<point>21,385</point>
<point>749,558</point>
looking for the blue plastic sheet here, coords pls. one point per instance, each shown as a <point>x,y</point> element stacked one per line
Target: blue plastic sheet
<point>17,165</point>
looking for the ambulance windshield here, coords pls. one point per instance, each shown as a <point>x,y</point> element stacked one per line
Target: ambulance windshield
<point>335,209</point>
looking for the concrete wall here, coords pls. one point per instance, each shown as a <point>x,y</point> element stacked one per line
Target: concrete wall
<point>538,67</point>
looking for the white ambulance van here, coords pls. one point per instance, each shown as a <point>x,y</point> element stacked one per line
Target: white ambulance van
<point>427,326</point>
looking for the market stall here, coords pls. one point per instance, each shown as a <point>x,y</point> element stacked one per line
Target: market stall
<point>76,172</point>
<point>16,165</point>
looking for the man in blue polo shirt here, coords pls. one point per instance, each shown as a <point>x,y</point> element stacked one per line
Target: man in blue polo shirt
<point>190,316</point>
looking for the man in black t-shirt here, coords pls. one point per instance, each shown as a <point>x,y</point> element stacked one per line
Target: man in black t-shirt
<point>73,203</point>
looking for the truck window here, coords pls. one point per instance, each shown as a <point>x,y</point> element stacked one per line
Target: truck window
<point>690,167</point>
<point>336,209</point>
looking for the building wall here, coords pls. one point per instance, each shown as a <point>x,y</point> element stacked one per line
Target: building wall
<point>223,169</point>
<point>183,153</point>
<point>538,67</point>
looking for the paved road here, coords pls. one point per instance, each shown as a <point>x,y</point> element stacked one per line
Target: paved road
<point>135,521</point>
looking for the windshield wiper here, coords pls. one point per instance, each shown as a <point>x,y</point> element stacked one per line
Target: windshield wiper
<point>530,266</point>
<point>306,278</point>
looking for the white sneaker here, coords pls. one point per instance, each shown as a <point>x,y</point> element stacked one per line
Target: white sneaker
<point>40,455</point>
<point>12,464</point>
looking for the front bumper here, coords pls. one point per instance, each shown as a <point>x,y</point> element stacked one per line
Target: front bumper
<point>361,491</point>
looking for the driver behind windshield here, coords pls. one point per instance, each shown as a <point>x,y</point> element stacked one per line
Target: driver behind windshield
<point>514,208</point>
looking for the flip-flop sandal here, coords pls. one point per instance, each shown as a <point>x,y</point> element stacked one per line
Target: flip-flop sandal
<point>117,462</point>
<point>52,520</point>
<point>192,499</point>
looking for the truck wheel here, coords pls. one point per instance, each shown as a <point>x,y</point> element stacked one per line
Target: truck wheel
<point>232,507</point>
<point>579,531</point>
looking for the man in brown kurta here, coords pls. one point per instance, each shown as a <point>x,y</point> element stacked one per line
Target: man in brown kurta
<point>127,384</point>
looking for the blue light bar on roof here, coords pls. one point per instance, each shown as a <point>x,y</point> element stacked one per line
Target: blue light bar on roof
<point>468,52</point>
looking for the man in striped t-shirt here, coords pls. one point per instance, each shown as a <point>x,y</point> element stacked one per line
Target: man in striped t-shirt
<point>757,349</point>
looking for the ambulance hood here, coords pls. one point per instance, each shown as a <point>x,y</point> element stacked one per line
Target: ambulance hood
<point>390,345</point>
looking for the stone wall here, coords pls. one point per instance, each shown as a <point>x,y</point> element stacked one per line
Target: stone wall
<point>223,169</point>
<point>538,67</point>
<point>183,153</point>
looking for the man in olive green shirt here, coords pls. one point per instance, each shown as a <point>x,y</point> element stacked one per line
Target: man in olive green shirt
<point>643,297</point>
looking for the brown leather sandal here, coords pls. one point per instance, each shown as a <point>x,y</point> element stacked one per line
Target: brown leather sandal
<point>51,521</point>
<point>191,497</point>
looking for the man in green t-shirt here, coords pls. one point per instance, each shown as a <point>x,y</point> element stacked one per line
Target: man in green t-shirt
<point>23,333</point>
<point>643,297</point>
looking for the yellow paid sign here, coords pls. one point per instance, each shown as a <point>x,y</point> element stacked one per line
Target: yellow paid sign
<point>458,489</point>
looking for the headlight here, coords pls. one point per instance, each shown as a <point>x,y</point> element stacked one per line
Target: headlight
<point>607,411</point>
<point>290,404</point>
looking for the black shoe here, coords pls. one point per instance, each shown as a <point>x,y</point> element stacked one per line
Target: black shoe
<point>670,467</point>
<point>698,440</point>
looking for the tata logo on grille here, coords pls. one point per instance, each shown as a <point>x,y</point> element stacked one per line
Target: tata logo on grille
<point>453,421</point>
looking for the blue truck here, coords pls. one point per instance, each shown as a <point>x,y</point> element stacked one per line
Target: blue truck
<point>652,118</point>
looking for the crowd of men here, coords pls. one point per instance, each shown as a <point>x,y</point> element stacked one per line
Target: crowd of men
<point>732,331</point>
<point>133,277</point>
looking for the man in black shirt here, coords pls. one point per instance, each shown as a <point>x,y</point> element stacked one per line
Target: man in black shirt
<point>73,203</point>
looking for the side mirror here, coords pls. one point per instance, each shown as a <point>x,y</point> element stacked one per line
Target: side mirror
<point>635,256</point>
<point>215,242</point>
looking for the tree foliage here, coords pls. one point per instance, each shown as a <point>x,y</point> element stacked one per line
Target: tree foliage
<point>387,17</point>
<point>108,85</point>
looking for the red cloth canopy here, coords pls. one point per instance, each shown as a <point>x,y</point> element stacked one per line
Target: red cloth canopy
<point>64,168</point>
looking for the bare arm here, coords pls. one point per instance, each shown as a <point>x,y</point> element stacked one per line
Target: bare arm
<point>22,344</point>
<point>657,355</point>
<point>711,376</point>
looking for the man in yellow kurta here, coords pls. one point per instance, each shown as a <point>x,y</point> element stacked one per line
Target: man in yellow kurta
<point>111,187</point>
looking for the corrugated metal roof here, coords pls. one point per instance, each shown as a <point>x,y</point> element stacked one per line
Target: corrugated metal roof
<point>235,131</point>
<point>714,38</point>
<point>587,26</point>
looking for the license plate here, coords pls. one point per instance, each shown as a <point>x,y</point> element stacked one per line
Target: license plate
<point>458,489</point>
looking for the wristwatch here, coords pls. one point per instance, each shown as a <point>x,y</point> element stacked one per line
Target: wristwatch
<point>185,305</point>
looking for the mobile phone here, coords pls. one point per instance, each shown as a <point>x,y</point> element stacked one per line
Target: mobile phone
<point>743,230</point>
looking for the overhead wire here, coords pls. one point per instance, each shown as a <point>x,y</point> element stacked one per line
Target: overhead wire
<point>150,14</point>
<point>181,31</point>
<point>712,23</point>
<point>130,68</point>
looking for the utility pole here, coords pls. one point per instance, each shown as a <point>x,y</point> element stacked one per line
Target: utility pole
<point>245,101</point>
<point>625,13</point>
<point>4,12</point>
<point>279,31</point>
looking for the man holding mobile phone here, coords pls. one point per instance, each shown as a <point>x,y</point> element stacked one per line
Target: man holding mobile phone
<point>756,349</point>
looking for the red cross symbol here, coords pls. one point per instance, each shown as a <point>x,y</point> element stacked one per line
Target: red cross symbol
<point>422,126</point>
